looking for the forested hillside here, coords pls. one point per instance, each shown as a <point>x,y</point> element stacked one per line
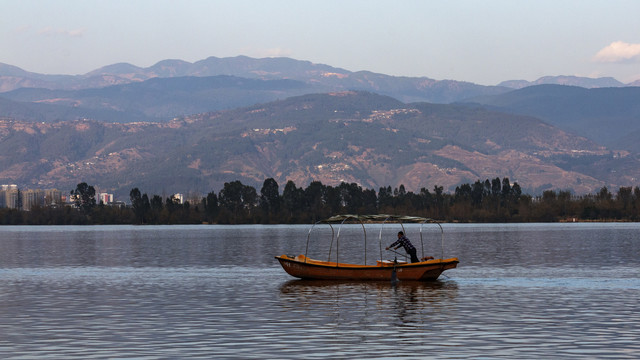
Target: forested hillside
<point>352,137</point>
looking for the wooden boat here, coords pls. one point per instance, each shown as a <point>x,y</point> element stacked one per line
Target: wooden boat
<point>303,267</point>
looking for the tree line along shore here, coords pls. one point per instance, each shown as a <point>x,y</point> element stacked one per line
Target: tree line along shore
<point>489,201</point>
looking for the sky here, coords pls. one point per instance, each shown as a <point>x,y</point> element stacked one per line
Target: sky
<point>484,42</point>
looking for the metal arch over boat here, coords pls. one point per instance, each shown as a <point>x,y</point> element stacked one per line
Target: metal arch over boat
<point>303,267</point>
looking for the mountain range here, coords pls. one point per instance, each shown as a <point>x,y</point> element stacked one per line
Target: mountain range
<point>584,82</point>
<point>610,116</point>
<point>357,137</point>
<point>190,127</point>
<point>319,78</point>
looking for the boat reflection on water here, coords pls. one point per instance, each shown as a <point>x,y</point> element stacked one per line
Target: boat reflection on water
<point>347,301</point>
<point>301,285</point>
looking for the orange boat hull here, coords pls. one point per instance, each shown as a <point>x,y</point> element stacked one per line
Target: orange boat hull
<point>305,268</point>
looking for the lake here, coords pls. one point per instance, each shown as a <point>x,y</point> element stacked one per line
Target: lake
<point>156,292</point>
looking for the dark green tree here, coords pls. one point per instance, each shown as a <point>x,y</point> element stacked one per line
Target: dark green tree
<point>140,205</point>
<point>477,193</point>
<point>156,203</point>
<point>270,200</point>
<point>463,194</point>
<point>487,188</point>
<point>496,187</point>
<point>172,204</point>
<point>624,201</point>
<point>636,204</point>
<point>238,201</point>
<point>352,198</point>
<point>426,199</point>
<point>314,198</point>
<point>293,201</point>
<point>84,196</point>
<point>249,201</point>
<point>516,191</point>
<point>369,202</point>
<point>210,204</point>
<point>332,200</point>
<point>439,201</point>
<point>385,199</point>
<point>506,189</point>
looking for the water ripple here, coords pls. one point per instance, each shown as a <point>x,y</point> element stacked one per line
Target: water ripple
<point>190,307</point>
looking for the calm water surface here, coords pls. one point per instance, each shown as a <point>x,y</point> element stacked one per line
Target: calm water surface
<point>520,291</point>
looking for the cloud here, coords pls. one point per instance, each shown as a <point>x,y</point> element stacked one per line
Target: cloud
<point>49,31</point>
<point>618,52</point>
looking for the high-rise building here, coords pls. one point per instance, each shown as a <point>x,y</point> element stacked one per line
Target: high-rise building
<point>13,199</point>
<point>52,197</point>
<point>32,198</point>
<point>105,198</point>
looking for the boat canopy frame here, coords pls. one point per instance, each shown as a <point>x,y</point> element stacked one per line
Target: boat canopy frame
<point>362,219</point>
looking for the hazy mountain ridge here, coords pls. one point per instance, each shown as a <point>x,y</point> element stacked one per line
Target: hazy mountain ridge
<point>12,77</point>
<point>360,137</point>
<point>318,76</point>
<point>584,82</point>
<point>156,99</point>
<point>606,115</point>
<point>102,90</point>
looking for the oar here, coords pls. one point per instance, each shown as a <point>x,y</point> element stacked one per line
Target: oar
<point>395,252</point>
<point>394,276</point>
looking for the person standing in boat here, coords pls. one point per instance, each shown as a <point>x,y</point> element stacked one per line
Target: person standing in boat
<point>407,245</point>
